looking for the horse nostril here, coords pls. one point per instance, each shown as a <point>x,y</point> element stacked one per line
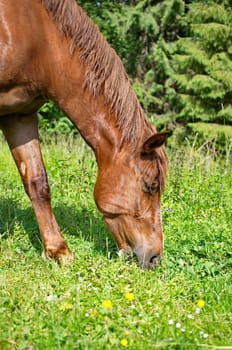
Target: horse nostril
<point>149,262</point>
<point>154,259</point>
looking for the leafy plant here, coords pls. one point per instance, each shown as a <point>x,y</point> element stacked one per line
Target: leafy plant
<point>202,64</point>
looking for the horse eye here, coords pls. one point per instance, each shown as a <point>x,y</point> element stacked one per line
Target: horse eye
<point>154,186</point>
<point>150,188</point>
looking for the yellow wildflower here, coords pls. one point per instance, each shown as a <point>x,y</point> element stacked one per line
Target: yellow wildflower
<point>124,342</point>
<point>200,303</point>
<point>107,304</point>
<point>65,306</point>
<point>129,296</point>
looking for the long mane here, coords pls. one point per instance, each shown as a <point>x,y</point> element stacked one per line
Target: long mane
<point>105,74</point>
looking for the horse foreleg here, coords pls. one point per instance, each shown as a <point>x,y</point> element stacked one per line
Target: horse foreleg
<point>22,136</point>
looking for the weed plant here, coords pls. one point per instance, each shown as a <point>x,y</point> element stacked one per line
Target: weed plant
<point>102,302</point>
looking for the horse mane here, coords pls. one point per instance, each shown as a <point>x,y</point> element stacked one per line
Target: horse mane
<point>105,74</point>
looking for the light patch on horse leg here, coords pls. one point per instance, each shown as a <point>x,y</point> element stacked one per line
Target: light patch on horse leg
<point>44,256</point>
<point>23,168</point>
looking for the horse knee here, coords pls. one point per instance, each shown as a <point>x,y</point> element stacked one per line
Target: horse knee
<point>37,188</point>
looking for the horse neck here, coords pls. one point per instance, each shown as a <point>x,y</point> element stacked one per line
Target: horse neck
<point>91,115</point>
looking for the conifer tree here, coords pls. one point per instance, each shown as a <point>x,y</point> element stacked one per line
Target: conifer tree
<point>203,64</point>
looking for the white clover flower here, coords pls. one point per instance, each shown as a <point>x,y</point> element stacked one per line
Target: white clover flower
<point>170,322</point>
<point>205,335</point>
<point>198,310</point>
<point>51,298</point>
<point>178,325</point>
<point>190,316</point>
<point>157,314</point>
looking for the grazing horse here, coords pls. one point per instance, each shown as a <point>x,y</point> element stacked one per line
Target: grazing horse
<point>50,49</point>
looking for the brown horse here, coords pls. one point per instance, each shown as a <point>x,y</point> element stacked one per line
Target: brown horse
<point>50,49</point>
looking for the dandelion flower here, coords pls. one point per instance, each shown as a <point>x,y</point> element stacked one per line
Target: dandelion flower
<point>124,342</point>
<point>107,304</point>
<point>66,306</point>
<point>200,303</point>
<point>129,296</point>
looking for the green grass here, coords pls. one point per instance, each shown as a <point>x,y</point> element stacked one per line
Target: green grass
<point>212,130</point>
<point>44,306</point>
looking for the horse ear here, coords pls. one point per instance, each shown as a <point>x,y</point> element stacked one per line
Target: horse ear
<point>156,140</point>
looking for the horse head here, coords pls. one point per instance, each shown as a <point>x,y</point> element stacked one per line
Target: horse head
<point>127,193</point>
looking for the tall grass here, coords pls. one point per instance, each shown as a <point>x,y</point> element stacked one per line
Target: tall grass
<point>101,302</point>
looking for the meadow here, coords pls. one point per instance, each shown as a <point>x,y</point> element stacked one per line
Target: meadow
<point>100,301</point>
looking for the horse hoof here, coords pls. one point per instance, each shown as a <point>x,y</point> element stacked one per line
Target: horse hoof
<point>66,260</point>
<point>63,258</point>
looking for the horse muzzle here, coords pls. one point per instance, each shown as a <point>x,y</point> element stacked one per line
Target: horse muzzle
<point>150,262</point>
<point>146,262</point>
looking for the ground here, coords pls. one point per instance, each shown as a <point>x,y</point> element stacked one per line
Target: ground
<point>100,301</point>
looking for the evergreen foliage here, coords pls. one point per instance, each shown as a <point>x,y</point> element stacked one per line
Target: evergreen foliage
<point>203,65</point>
